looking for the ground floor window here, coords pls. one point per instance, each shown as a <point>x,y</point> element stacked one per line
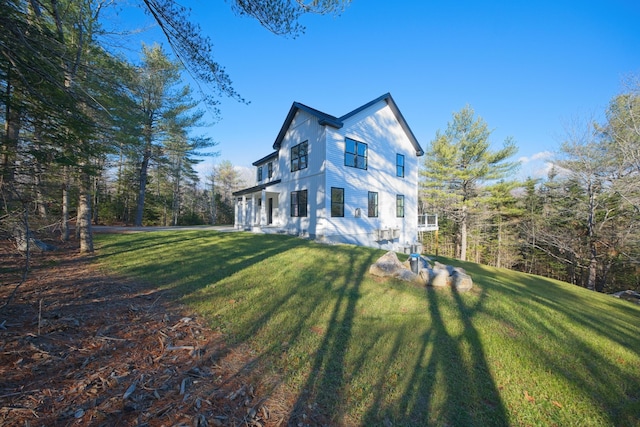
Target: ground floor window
<point>373,205</point>
<point>400,206</point>
<point>299,203</point>
<point>337,201</point>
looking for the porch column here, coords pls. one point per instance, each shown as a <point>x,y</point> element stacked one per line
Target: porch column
<point>236,213</point>
<point>252,210</point>
<point>244,211</point>
<point>263,208</point>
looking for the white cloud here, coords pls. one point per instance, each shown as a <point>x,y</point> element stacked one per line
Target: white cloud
<point>542,155</point>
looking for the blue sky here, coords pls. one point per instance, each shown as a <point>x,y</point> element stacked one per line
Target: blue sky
<point>526,68</point>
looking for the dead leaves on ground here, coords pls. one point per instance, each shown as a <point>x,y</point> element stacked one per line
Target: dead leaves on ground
<point>77,347</point>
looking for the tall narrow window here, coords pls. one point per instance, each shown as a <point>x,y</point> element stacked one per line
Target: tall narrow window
<point>259,173</point>
<point>337,201</point>
<point>400,165</point>
<point>299,158</point>
<point>373,205</point>
<point>299,203</point>
<point>355,153</point>
<point>400,206</point>
<point>270,169</point>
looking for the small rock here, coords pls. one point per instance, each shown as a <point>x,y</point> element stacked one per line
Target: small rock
<point>406,275</point>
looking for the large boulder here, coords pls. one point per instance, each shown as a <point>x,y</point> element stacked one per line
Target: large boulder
<point>25,240</point>
<point>461,281</point>
<point>442,275</point>
<point>388,265</point>
<point>439,278</point>
<point>407,275</point>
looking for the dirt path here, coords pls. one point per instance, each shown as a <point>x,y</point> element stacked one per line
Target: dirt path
<point>81,348</point>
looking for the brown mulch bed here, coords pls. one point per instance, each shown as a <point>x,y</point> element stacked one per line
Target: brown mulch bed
<point>79,347</point>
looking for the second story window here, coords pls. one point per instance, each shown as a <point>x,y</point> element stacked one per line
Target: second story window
<point>400,165</point>
<point>299,157</point>
<point>270,169</point>
<point>355,153</point>
<point>259,173</point>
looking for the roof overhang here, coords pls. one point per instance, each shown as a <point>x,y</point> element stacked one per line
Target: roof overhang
<point>323,119</point>
<point>256,188</point>
<point>266,158</point>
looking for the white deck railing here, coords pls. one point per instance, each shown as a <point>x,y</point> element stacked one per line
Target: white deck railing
<point>427,222</point>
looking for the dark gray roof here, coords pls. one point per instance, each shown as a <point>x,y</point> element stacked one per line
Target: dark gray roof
<point>266,158</point>
<point>329,120</point>
<point>256,188</point>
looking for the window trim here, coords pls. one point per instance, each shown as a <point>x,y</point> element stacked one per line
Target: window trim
<point>297,158</point>
<point>370,205</point>
<point>400,168</point>
<point>355,154</point>
<point>299,208</point>
<point>339,204</point>
<point>399,205</point>
<point>260,173</point>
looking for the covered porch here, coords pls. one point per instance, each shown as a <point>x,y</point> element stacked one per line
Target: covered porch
<point>256,208</point>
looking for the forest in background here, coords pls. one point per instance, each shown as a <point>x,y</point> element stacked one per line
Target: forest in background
<point>579,224</point>
<point>90,137</point>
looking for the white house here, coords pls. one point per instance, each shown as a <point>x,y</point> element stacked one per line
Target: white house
<point>350,179</point>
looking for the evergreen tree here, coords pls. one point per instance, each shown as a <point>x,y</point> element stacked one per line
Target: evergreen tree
<point>457,164</point>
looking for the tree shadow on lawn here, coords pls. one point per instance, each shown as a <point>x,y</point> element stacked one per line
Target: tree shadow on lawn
<point>572,333</point>
<point>609,326</point>
<point>191,260</point>
<point>453,364</point>
<point>322,397</point>
<point>450,382</point>
<point>318,304</point>
<point>456,363</point>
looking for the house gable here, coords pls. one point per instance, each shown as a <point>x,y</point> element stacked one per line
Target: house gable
<point>337,123</point>
<point>396,111</point>
<point>323,119</point>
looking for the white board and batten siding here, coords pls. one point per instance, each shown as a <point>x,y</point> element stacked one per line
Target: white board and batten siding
<point>377,127</point>
<point>304,127</point>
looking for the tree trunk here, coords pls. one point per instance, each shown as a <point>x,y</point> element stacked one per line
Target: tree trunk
<point>96,204</point>
<point>593,261</point>
<point>499,252</point>
<point>176,201</point>
<point>143,187</point>
<point>213,200</point>
<point>65,205</point>
<point>463,234</point>
<point>9,147</point>
<point>37,182</point>
<point>84,214</point>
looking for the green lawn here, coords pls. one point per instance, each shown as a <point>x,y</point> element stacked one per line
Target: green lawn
<point>517,350</point>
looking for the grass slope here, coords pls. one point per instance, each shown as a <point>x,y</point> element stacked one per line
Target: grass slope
<point>516,350</point>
